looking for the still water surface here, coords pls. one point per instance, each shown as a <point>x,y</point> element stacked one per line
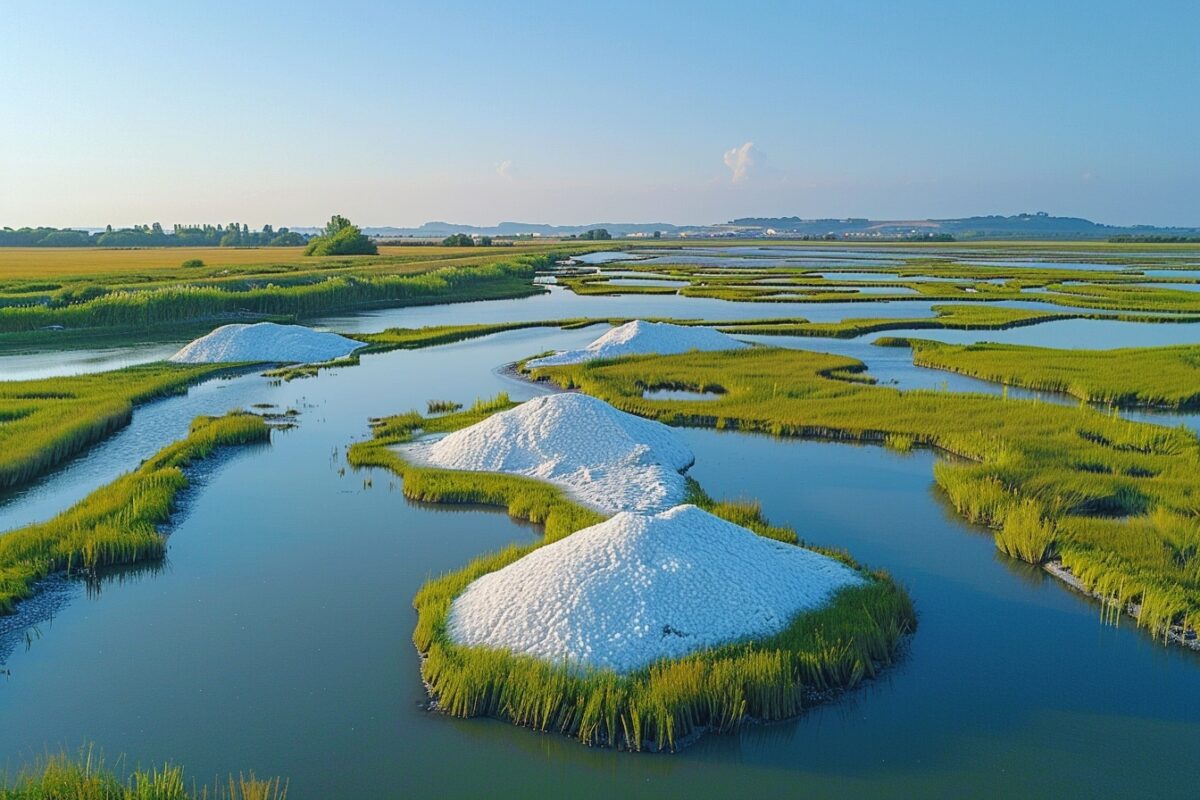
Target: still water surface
<point>276,637</point>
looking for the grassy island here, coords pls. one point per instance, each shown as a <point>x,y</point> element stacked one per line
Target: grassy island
<point>1111,503</point>
<point>666,705</point>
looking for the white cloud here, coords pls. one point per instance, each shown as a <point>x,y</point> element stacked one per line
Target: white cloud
<point>740,161</point>
<point>504,168</point>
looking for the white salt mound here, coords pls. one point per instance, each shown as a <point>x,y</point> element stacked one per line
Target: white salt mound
<point>635,589</point>
<point>603,457</point>
<point>266,341</point>
<point>643,338</point>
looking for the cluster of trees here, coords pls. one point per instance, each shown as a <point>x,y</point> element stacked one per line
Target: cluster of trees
<point>594,234</point>
<point>233,235</point>
<point>341,237</point>
<point>463,240</point>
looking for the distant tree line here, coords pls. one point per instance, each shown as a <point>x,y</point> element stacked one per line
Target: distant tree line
<point>233,235</point>
<point>928,237</point>
<point>1131,239</point>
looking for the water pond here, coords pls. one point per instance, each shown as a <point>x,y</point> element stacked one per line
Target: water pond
<point>276,637</point>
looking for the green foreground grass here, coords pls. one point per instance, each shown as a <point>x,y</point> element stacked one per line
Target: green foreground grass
<point>118,523</point>
<point>1162,377</point>
<point>659,708</point>
<point>44,422</point>
<point>86,776</point>
<point>1116,502</point>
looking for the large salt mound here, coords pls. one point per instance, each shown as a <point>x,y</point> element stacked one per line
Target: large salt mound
<point>635,589</point>
<point>606,458</point>
<point>643,338</point>
<point>266,341</point>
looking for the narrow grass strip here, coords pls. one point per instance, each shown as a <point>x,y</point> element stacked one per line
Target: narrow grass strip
<point>118,523</point>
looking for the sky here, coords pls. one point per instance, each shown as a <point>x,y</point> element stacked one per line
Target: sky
<point>694,112</point>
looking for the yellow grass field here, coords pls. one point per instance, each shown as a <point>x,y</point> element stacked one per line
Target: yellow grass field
<point>32,263</point>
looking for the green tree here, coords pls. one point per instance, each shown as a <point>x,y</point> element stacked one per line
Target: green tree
<point>341,238</point>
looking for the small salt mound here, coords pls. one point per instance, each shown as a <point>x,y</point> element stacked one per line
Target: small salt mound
<point>266,341</point>
<point>606,458</point>
<point>635,589</point>
<point>643,338</point>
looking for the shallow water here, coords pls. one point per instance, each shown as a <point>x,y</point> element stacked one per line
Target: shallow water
<point>277,637</point>
<point>32,366</point>
<point>679,394</point>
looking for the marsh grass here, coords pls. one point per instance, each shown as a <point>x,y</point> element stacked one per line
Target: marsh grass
<point>1164,377</point>
<point>175,301</point>
<point>86,776</point>
<point>44,422</point>
<point>1117,502</point>
<point>442,406</point>
<point>659,708</point>
<point>118,523</point>
<point>1105,290</point>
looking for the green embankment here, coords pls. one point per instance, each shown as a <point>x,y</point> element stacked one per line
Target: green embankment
<point>173,303</point>
<point>1116,502</point>
<point>44,422</point>
<point>665,705</point>
<point>118,523</point>
<point>1163,377</point>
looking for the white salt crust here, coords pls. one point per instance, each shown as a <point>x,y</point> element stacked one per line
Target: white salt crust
<point>605,458</point>
<point>637,588</point>
<point>643,338</point>
<point>265,341</point>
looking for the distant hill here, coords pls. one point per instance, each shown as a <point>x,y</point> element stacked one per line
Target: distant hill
<point>1019,226</point>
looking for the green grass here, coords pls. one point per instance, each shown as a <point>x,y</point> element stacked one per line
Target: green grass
<point>658,708</point>
<point>86,776</point>
<point>1166,377</point>
<point>1117,502</point>
<point>442,406</point>
<point>118,523</point>
<point>44,422</point>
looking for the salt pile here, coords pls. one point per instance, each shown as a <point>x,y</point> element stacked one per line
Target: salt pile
<point>643,338</point>
<point>638,588</point>
<point>266,341</point>
<point>603,457</point>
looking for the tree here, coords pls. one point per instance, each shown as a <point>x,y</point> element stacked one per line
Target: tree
<point>458,240</point>
<point>341,238</point>
<point>337,223</point>
<point>596,233</point>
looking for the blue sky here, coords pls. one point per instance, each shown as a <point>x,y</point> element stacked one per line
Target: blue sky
<point>398,113</point>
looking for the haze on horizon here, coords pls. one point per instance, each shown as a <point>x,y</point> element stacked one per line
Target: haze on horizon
<point>399,113</point>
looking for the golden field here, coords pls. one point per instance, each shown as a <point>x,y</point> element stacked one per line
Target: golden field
<point>25,263</point>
